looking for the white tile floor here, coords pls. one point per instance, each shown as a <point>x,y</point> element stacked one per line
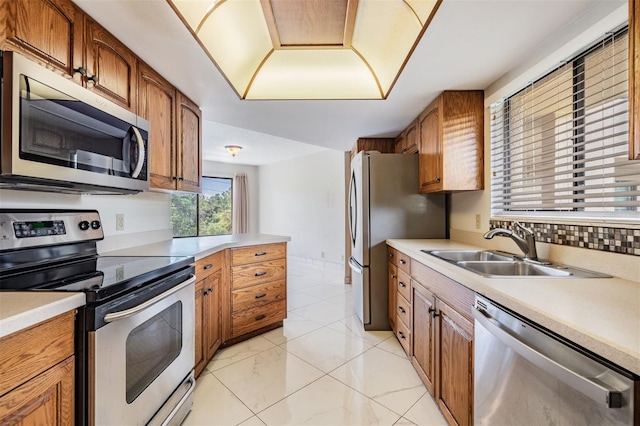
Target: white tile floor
<point>321,368</point>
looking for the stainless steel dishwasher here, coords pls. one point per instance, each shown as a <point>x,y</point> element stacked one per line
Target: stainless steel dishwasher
<point>524,375</point>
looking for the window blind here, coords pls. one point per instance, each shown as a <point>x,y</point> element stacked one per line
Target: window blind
<point>560,146</point>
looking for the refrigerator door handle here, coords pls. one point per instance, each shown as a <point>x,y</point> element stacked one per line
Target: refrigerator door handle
<point>354,266</point>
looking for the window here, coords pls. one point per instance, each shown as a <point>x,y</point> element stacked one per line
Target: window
<point>203,214</point>
<point>559,147</point>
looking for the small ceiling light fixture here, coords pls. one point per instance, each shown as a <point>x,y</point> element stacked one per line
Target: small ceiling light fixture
<point>308,49</point>
<point>233,149</point>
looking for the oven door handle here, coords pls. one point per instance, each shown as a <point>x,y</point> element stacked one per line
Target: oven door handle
<point>128,313</point>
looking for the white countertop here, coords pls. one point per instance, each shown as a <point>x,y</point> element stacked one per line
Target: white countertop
<point>198,247</point>
<point>599,314</point>
<point>19,310</point>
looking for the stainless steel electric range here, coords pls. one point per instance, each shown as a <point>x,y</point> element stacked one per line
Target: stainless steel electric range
<point>134,337</point>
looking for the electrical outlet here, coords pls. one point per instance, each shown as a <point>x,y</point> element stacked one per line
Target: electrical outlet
<point>120,222</point>
<point>478,221</point>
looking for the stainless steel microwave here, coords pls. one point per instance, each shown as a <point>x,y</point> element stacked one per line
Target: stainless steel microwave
<point>59,136</point>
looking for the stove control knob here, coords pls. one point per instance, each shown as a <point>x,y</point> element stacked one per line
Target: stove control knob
<point>95,224</point>
<point>84,225</point>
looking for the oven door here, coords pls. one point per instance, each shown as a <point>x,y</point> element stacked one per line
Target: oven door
<point>141,358</point>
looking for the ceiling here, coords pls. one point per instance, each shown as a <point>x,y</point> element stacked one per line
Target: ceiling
<point>468,45</point>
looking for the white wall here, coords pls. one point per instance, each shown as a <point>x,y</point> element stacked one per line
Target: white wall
<point>304,198</point>
<point>228,170</point>
<point>146,215</point>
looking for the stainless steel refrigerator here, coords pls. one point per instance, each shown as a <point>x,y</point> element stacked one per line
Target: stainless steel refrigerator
<point>384,203</point>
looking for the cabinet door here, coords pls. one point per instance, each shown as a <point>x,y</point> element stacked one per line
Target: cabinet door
<point>430,164</point>
<point>455,365</point>
<point>411,139</point>
<point>423,333</point>
<point>200,350</point>
<point>47,399</point>
<point>400,144</point>
<point>393,292</point>
<point>157,103</point>
<point>112,69</point>
<point>48,31</point>
<point>189,164</point>
<point>212,326</point>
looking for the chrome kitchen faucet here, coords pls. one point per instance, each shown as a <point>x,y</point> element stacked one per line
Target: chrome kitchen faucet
<point>527,243</point>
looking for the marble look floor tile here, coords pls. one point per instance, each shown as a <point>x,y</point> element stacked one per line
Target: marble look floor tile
<point>266,378</point>
<point>326,349</point>
<point>322,312</point>
<point>214,404</point>
<point>392,345</point>
<point>425,412</point>
<point>397,386</point>
<point>327,402</point>
<point>253,421</point>
<point>353,327</point>
<point>404,422</point>
<point>297,299</point>
<point>238,352</point>
<point>294,326</point>
<point>324,291</point>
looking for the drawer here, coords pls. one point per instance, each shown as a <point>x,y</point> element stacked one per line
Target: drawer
<point>246,321</point>
<point>208,265</point>
<point>391,255</point>
<point>258,295</point>
<point>404,285</point>
<point>258,273</point>
<point>403,310</point>
<point>404,337</point>
<point>403,261</point>
<point>261,253</point>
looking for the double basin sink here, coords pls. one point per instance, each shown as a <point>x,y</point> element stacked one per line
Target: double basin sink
<point>497,264</point>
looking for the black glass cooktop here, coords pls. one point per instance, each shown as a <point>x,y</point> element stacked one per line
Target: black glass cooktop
<point>100,277</point>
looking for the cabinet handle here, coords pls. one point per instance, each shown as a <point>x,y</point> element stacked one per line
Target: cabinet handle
<point>260,317</point>
<point>206,292</point>
<point>80,70</point>
<point>209,266</point>
<point>181,178</point>
<point>433,313</point>
<point>93,78</point>
<point>393,277</point>
<point>436,180</point>
<point>259,274</point>
<point>403,262</point>
<point>403,150</point>
<point>401,284</point>
<point>401,309</point>
<point>175,178</point>
<point>390,254</point>
<point>401,334</point>
<point>261,295</point>
<point>261,253</point>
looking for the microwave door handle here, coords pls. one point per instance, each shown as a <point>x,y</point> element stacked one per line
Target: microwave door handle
<point>141,153</point>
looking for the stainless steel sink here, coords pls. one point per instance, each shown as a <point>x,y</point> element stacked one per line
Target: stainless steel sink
<point>496,264</point>
<point>470,255</point>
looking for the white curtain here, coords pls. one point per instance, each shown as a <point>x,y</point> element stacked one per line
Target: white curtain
<point>240,204</point>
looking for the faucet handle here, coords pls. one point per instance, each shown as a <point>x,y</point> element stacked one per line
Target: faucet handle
<point>524,229</point>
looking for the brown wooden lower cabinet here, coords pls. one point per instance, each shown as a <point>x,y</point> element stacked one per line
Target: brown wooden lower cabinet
<point>208,324</point>
<point>37,374</point>
<point>439,338</point>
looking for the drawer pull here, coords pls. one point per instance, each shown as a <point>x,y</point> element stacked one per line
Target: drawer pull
<point>401,309</point>
<point>261,253</point>
<point>259,274</point>
<point>401,284</point>
<point>390,254</point>
<point>261,295</point>
<point>208,266</point>
<point>260,317</point>
<point>403,262</point>
<point>401,334</point>
<point>394,276</point>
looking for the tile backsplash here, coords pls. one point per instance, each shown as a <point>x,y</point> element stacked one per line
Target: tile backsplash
<point>605,238</point>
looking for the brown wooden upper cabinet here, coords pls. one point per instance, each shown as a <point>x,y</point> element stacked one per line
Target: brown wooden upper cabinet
<point>47,31</point>
<point>634,79</point>
<point>189,145</point>
<point>407,141</point>
<point>383,145</point>
<point>111,68</point>
<point>451,143</point>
